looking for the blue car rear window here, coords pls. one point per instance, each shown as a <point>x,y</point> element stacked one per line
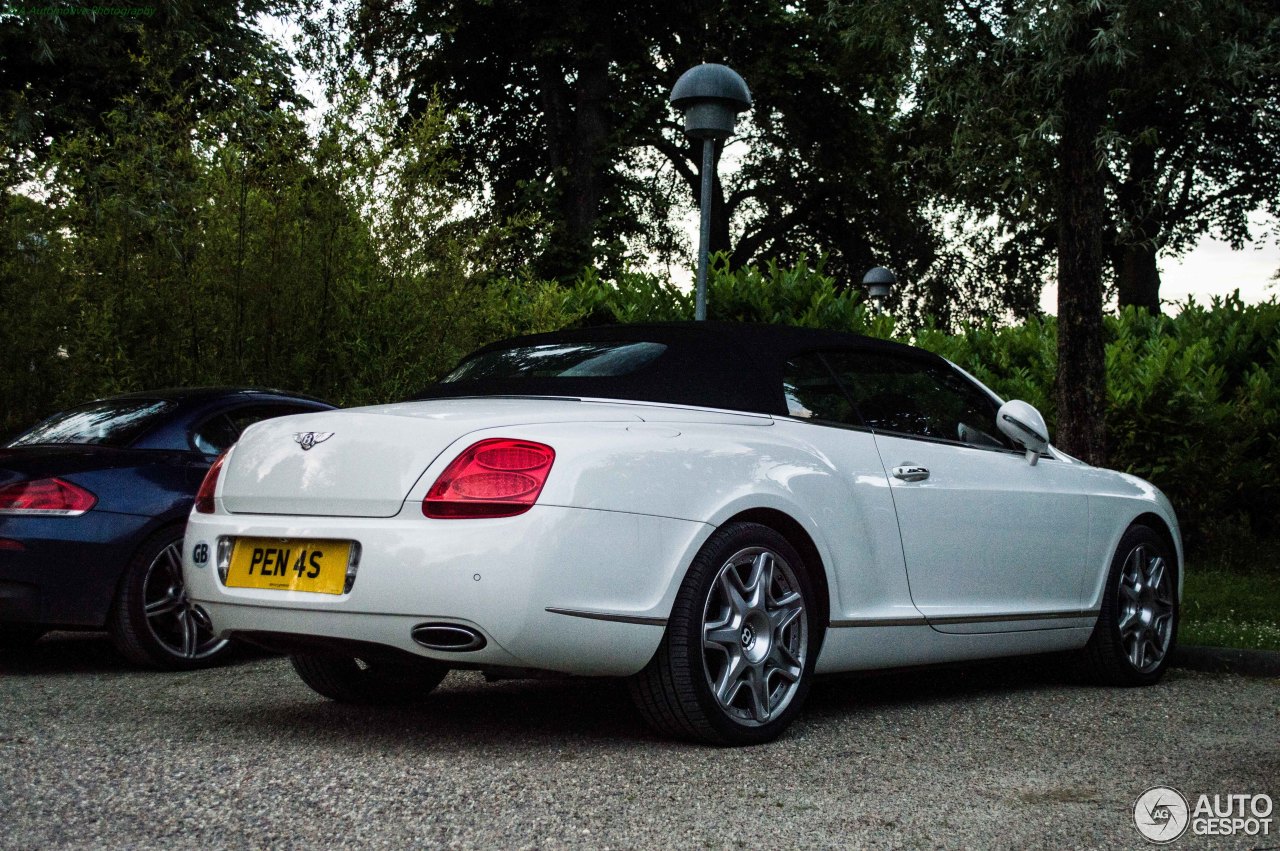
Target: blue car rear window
<point>116,423</point>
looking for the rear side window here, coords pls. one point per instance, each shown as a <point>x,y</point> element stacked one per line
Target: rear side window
<point>812,392</point>
<point>916,398</point>
<point>558,360</point>
<point>217,433</point>
<point>115,423</point>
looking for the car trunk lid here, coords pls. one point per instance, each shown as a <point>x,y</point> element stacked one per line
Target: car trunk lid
<point>364,462</point>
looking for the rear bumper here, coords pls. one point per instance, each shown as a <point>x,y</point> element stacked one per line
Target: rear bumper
<point>67,569</point>
<point>610,578</point>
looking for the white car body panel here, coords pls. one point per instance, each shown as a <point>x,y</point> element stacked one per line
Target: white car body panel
<point>1115,501</point>
<point>584,581</point>
<point>414,570</point>
<point>870,648</point>
<point>988,532</point>
<point>710,473</point>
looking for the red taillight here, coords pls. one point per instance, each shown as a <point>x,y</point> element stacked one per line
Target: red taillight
<point>204,496</point>
<point>45,496</point>
<point>494,478</point>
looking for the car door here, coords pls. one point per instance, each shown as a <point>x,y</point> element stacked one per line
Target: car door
<point>991,542</point>
<point>860,524</point>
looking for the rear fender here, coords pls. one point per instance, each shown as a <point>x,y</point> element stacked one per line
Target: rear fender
<point>709,473</point>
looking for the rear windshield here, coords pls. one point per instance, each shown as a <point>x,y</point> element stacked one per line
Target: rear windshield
<point>116,423</point>
<point>558,360</point>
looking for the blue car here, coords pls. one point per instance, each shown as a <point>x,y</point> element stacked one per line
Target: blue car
<point>93,505</point>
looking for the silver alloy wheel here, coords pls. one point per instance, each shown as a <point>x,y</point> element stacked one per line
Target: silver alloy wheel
<point>755,636</point>
<point>181,629</point>
<point>1145,608</point>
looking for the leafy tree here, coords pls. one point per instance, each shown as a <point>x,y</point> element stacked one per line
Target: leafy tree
<point>545,92</point>
<point>1193,126</point>
<point>985,77</point>
<point>1096,132</point>
<point>66,66</point>
<point>1190,103</point>
<point>816,151</point>
<point>32,252</point>
<point>567,116</point>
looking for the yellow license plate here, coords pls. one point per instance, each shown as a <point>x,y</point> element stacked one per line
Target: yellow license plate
<point>289,565</point>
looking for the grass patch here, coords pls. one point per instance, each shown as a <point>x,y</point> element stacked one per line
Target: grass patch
<point>1222,607</point>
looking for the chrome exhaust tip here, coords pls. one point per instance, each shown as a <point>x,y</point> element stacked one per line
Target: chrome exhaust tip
<point>448,637</point>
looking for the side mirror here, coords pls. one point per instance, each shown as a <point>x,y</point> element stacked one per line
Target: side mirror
<point>1023,424</point>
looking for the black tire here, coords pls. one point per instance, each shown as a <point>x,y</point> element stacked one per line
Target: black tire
<point>19,637</point>
<point>675,693</point>
<point>1137,628</point>
<point>152,624</point>
<point>347,679</point>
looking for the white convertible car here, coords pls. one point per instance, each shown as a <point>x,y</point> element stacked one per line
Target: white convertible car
<point>718,512</point>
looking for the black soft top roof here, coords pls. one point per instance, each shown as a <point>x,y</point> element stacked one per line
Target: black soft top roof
<point>736,366</point>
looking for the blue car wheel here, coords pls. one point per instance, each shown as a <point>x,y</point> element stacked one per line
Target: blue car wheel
<point>153,623</point>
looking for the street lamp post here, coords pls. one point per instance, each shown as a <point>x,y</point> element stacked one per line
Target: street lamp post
<point>879,282</point>
<point>711,96</point>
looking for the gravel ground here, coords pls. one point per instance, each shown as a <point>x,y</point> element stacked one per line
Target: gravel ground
<point>988,756</point>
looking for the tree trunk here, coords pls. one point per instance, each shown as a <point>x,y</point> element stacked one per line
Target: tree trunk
<point>1138,278</point>
<point>1081,391</point>
<point>577,120</point>
<point>587,161</point>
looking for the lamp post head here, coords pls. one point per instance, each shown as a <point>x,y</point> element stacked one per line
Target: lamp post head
<point>710,96</point>
<point>879,282</point>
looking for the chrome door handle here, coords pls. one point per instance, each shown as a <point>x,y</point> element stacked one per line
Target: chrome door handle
<point>911,473</point>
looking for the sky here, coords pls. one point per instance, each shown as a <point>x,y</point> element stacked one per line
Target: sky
<point>1211,268</point>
